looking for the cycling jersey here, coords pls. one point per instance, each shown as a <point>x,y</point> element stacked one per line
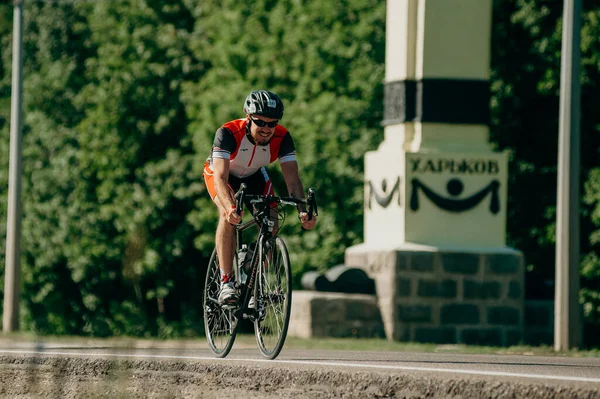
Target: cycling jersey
<point>234,142</point>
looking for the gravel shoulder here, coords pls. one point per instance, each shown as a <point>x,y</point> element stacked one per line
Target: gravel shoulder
<point>65,377</point>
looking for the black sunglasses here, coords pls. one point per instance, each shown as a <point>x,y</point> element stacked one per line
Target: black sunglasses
<point>261,123</point>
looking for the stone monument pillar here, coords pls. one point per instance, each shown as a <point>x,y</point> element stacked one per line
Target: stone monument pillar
<point>435,191</point>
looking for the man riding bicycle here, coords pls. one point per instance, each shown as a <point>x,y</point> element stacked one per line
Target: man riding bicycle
<point>241,150</point>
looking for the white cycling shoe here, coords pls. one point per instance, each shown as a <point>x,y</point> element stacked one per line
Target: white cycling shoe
<point>228,295</point>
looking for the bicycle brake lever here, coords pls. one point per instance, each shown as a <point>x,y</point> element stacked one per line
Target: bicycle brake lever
<point>240,198</point>
<point>312,204</point>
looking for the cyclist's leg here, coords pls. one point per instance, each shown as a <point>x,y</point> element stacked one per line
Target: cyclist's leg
<point>225,234</point>
<point>225,243</point>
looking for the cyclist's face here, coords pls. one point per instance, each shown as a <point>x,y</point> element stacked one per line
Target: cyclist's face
<point>261,135</point>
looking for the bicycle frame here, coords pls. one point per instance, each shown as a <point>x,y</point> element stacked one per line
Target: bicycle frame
<point>263,220</point>
<point>268,281</point>
<point>265,224</point>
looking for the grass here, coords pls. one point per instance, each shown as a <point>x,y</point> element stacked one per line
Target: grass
<point>368,344</point>
<point>293,343</point>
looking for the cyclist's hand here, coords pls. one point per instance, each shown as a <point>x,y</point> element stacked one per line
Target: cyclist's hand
<point>307,224</point>
<point>232,216</point>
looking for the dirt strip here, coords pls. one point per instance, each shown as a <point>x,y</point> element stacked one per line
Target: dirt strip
<point>64,377</point>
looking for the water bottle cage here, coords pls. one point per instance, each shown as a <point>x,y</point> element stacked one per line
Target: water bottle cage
<point>270,224</point>
<point>245,255</point>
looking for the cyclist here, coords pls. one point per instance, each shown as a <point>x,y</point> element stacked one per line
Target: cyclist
<point>241,150</point>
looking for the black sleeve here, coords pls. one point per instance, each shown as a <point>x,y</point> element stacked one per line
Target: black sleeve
<point>224,140</point>
<point>287,146</point>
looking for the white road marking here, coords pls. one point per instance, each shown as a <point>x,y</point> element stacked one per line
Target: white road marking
<point>308,362</point>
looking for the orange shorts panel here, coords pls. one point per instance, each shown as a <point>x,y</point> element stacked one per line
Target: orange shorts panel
<point>258,183</point>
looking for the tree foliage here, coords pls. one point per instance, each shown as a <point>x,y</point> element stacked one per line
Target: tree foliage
<point>525,107</point>
<point>122,100</point>
<point>326,60</point>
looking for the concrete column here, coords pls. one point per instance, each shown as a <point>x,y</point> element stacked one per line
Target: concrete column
<point>435,189</point>
<point>434,179</point>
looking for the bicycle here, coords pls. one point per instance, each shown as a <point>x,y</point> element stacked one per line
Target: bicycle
<point>270,284</point>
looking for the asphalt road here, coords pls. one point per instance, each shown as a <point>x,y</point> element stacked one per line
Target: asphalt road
<point>451,373</point>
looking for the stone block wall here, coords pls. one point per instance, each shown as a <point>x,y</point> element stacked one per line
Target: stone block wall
<point>328,314</point>
<point>447,296</point>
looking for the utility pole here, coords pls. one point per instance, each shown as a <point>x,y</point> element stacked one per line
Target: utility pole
<point>10,318</point>
<point>567,317</point>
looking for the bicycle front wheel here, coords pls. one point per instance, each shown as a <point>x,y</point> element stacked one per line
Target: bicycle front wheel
<point>273,298</point>
<point>219,322</point>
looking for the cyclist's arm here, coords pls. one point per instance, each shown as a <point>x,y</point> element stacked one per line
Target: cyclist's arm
<point>289,167</point>
<point>296,190</point>
<point>293,182</point>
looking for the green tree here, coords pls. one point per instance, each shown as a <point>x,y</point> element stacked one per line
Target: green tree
<point>326,60</point>
<point>122,100</point>
<point>526,90</point>
<point>108,181</point>
<point>51,61</point>
<point>5,78</point>
<point>591,157</point>
<point>138,158</point>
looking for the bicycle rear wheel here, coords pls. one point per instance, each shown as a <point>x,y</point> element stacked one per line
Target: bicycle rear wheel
<point>219,323</point>
<point>273,299</point>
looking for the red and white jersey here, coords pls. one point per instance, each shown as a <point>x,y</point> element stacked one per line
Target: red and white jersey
<point>233,142</point>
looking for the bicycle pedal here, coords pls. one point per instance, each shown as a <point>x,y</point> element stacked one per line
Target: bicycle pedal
<point>254,315</point>
<point>229,306</point>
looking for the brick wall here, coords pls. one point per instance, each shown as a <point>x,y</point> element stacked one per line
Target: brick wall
<point>328,314</point>
<point>447,297</point>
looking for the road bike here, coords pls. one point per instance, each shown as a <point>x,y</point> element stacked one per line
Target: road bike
<point>263,278</point>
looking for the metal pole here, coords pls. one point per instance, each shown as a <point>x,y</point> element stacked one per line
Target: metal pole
<point>567,318</point>
<point>10,318</point>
